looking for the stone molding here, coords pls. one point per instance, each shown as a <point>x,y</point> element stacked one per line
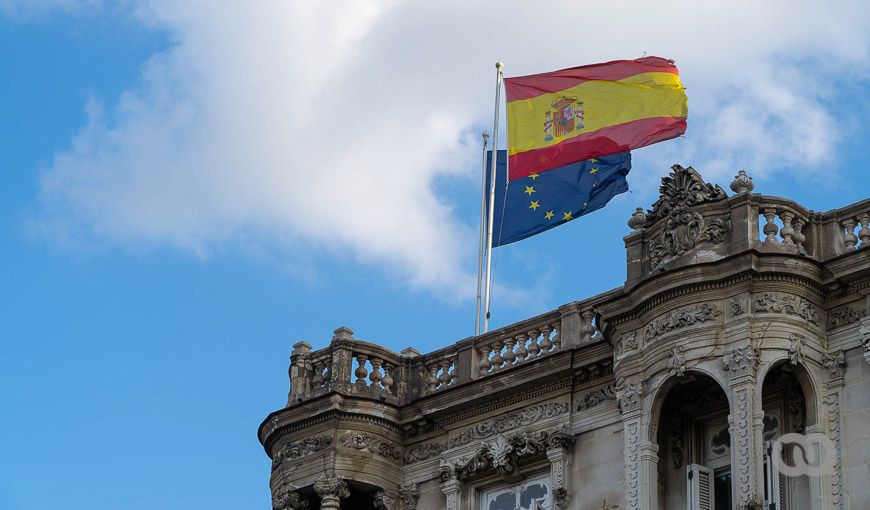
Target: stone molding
<point>423,451</point>
<point>678,319</point>
<point>596,397</point>
<point>787,304</point>
<point>301,448</point>
<point>363,441</point>
<point>288,499</point>
<point>510,421</point>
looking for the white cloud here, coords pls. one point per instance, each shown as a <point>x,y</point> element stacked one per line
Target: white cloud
<point>316,126</point>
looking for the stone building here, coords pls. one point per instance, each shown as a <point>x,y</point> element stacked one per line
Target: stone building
<point>730,371</point>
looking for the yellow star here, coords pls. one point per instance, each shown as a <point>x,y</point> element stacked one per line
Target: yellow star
<point>593,171</point>
<point>549,215</point>
<point>567,217</point>
<point>534,205</point>
<point>533,176</point>
<point>593,161</point>
<point>529,190</point>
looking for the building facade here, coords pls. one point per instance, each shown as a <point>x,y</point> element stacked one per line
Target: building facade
<point>730,371</point>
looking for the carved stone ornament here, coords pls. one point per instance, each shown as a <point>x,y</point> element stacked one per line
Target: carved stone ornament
<point>300,449</point>
<point>677,361</point>
<point>787,304</point>
<point>835,363</point>
<point>594,398</point>
<point>502,453</point>
<point>680,191</point>
<point>843,316</point>
<point>408,495</point>
<point>740,360</point>
<point>680,319</point>
<point>363,441</point>
<point>510,421</point>
<point>630,397</point>
<point>331,491</point>
<point>288,499</point>
<point>384,500</point>
<point>742,183</point>
<point>736,306</point>
<point>795,348</point>
<point>424,451</point>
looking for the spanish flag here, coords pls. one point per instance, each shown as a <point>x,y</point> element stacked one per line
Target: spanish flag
<point>576,114</point>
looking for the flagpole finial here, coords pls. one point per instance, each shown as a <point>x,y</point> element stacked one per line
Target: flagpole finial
<point>485,136</point>
<point>499,65</point>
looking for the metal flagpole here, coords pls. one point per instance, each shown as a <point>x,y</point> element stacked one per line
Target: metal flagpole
<point>498,77</point>
<point>481,243</point>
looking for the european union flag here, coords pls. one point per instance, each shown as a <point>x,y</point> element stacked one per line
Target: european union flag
<point>533,204</point>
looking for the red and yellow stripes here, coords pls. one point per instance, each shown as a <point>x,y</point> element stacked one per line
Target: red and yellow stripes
<point>558,118</point>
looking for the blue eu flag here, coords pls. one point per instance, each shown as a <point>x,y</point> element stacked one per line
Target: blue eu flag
<point>530,205</point>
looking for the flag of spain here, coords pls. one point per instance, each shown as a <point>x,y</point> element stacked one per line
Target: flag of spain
<point>561,117</point>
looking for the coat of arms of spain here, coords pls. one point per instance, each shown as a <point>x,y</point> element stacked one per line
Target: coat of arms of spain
<point>565,117</point>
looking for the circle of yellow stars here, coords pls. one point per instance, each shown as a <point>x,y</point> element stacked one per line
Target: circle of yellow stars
<point>534,204</point>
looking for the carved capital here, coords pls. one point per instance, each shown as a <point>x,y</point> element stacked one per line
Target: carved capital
<point>384,500</point>
<point>630,397</point>
<point>288,499</point>
<point>740,361</point>
<point>836,364</point>
<point>408,496</point>
<point>677,361</point>
<point>331,491</point>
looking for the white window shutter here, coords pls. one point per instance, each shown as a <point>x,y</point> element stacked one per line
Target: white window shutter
<point>774,482</point>
<point>700,480</point>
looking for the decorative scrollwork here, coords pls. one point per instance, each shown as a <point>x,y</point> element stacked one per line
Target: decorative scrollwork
<point>680,319</point>
<point>363,441</point>
<point>510,421</point>
<point>787,304</point>
<point>301,448</point>
<point>680,191</point>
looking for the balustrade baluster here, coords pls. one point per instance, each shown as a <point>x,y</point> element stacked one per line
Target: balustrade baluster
<point>534,348</point>
<point>521,349</point>
<point>770,228</point>
<point>375,376</point>
<point>361,372</point>
<point>864,233</point>
<point>546,343</point>
<point>317,380</point>
<point>497,360</point>
<point>387,381</point>
<point>787,232</point>
<point>433,377</point>
<point>850,239</point>
<point>799,236</point>
<point>445,376</point>
<point>509,356</point>
<point>484,364</point>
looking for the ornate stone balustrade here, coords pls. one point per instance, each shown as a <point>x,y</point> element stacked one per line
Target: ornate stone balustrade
<point>509,347</point>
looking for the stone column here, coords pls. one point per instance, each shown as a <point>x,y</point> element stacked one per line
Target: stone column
<point>836,365</point>
<point>560,472</point>
<point>288,499</point>
<point>451,487</point>
<point>331,491</point>
<point>408,496</point>
<point>745,428</point>
<point>641,470</point>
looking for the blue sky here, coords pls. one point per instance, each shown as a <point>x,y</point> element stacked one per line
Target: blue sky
<point>188,189</point>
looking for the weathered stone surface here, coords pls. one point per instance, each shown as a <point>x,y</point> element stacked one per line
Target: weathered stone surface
<point>749,310</point>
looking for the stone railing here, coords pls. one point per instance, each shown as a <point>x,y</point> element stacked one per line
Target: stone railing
<point>354,367</point>
<point>524,342</point>
<point>348,365</point>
